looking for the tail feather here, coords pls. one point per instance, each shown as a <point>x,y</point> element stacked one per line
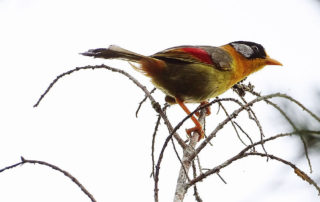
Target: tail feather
<point>114,52</point>
<point>147,65</point>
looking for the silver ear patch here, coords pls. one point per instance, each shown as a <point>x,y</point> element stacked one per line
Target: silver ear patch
<point>243,49</point>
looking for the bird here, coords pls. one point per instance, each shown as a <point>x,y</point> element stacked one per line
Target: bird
<point>194,74</point>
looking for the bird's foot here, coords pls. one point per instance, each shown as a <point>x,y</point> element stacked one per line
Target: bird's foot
<point>208,109</point>
<point>197,129</point>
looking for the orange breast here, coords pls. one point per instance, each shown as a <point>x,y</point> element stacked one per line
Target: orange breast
<point>242,67</point>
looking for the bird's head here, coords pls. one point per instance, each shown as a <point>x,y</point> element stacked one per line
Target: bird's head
<point>252,55</point>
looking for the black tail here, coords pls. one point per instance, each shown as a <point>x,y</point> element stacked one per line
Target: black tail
<point>114,52</point>
<point>147,65</point>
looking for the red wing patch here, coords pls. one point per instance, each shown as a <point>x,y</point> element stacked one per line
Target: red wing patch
<point>198,53</point>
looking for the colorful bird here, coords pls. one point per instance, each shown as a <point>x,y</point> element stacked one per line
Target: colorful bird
<point>194,74</point>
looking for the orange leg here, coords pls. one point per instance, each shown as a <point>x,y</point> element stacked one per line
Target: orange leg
<point>198,126</point>
<point>208,110</point>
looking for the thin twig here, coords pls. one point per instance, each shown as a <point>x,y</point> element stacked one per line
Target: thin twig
<point>135,81</point>
<point>179,159</point>
<point>240,155</point>
<point>142,101</point>
<point>67,174</point>
<point>297,171</point>
<point>256,120</point>
<point>284,114</point>
<point>232,123</point>
<point>297,103</point>
<point>153,143</point>
<point>195,188</point>
<point>302,107</point>
<point>207,140</point>
<point>291,122</point>
<point>244,132</point>
<point>199,164</point>
<point>221,178</point>
<point>232,116</point>
<point>205,127</point>
<point>306,152</point>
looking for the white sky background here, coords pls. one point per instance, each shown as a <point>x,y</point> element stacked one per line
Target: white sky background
<point>86,124</point>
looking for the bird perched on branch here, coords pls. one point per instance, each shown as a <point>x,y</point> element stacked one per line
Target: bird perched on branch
<point>194,74</point>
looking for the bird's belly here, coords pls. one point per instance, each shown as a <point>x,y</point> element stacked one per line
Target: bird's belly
<point>193,83</point>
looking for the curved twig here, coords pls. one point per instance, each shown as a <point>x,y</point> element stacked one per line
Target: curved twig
<point>256,120</point>
<point>232,123</point>
<point>153,143</point>
<point>67,174</point>
<point>291,122</point>
<point>135,81</point>
<point>243,153</point>
<point>297,171</point>
<point>232,116</point>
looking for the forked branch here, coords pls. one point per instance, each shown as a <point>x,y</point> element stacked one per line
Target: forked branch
<point>190,151</point>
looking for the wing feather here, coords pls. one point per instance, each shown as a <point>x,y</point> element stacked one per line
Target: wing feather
<point>189,54</point>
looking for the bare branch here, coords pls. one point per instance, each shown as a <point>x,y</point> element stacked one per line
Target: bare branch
<point>296,102</point>
<point>178,157</point>
<point>231,160</point>
<point>221,178</point>
<point>156,178</point>
<point>306,152</point>
<point>244,132</point>
<point>299,172</point>
<point>135,81</point>
<point>67,174</point>
<point>186,162</point>
<point>301,106</point>
<point>291,122</point>
<point>142,101</point>
<point>153,143</point>
<point>240,155</point>
<point>232,123</point>
<point>256,120</point>
<point>207,140</point>
<point>232,116</point>
<point>195,188</point>
<point>189,151</point>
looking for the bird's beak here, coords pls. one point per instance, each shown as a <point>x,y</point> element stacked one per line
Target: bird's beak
<point>270,61</point>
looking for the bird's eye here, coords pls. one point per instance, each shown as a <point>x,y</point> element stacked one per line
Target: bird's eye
<point>255,48</point>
